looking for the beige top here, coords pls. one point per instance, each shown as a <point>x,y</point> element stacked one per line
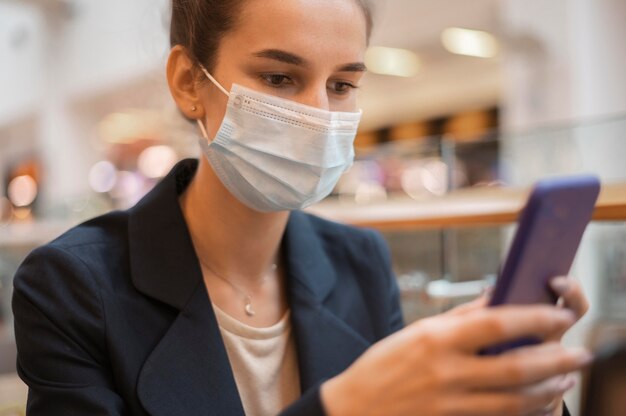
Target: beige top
<point>264,362</point>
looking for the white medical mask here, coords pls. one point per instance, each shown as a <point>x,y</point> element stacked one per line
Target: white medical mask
<point>275,154</point>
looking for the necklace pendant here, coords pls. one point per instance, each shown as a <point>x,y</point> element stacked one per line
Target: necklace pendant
<point>248,308</point>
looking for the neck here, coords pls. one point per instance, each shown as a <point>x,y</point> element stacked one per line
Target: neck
<point>232,238</point>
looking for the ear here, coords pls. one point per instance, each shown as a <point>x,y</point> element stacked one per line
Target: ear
<point>182,80</point>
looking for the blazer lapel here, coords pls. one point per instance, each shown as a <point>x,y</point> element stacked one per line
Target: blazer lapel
<point>326,345</point>
<point>188,372</point>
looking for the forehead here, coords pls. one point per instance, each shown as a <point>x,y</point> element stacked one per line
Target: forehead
<point>320,29</point>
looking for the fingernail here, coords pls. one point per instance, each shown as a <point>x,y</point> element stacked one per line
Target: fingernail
<point>560,285</point>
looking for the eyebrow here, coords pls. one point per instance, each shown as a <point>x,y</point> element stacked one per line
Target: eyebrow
<point>282,56</point>
<point>353,67</point>
<point>293,59</point>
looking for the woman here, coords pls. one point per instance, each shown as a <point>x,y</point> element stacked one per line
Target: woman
<point>215,295</point>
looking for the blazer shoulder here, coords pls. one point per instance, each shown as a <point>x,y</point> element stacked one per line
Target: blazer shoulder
<point>110,228</point>
<point>82,256</point>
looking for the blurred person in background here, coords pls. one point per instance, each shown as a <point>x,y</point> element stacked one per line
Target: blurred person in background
<point>216,295</point>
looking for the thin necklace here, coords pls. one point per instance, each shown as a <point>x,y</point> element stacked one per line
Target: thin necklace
<point>248,309</point>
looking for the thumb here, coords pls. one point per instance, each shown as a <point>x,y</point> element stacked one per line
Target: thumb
<point>480,302</point>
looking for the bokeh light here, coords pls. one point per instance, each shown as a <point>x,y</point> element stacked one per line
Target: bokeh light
<point>22,191</point>
<point>156,161</point>
<point>102,176</point>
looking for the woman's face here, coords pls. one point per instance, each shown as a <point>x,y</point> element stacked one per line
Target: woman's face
<point>308,51</point>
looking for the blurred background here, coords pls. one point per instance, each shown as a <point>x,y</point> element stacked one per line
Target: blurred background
<point>466,104</point>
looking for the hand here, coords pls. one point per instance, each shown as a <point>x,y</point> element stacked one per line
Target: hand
<point>432,367</point>
<point>572,297</point>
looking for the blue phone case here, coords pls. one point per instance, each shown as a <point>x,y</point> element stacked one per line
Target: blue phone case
<point>545,244</point>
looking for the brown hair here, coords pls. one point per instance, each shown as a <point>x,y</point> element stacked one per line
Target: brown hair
<point>199,25</point>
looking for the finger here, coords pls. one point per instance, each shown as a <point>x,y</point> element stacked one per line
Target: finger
<point>554,408</point>
<point>570,291</point>
<point>491,326</point>
<point>550,383</point>
<point>478,303</point>
<point>526,367</point>
<point>557,335</point>
<point>530,401</point>
<point>567,382</point>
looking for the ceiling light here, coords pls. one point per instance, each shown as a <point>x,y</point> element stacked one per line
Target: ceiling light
<point>392,61</point>
<point>470,42</point>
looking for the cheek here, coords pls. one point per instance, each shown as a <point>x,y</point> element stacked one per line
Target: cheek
<point>348,104</point>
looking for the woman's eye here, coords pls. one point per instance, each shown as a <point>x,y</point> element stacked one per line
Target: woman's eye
<point>276,80</point>
<point>340,87</point>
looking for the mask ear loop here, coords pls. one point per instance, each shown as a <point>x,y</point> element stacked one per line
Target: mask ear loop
<point>202,130</point>
<point>218,85</point>
<point>214,81</point>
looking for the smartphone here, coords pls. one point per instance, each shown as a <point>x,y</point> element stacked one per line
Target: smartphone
<point>549,231</point>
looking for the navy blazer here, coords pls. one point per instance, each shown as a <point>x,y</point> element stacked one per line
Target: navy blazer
<point>113,317</point>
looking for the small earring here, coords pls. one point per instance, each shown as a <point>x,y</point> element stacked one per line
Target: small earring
<point>193,108</point>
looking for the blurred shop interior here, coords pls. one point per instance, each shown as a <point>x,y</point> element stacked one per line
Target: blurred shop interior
<point>466,104</point>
